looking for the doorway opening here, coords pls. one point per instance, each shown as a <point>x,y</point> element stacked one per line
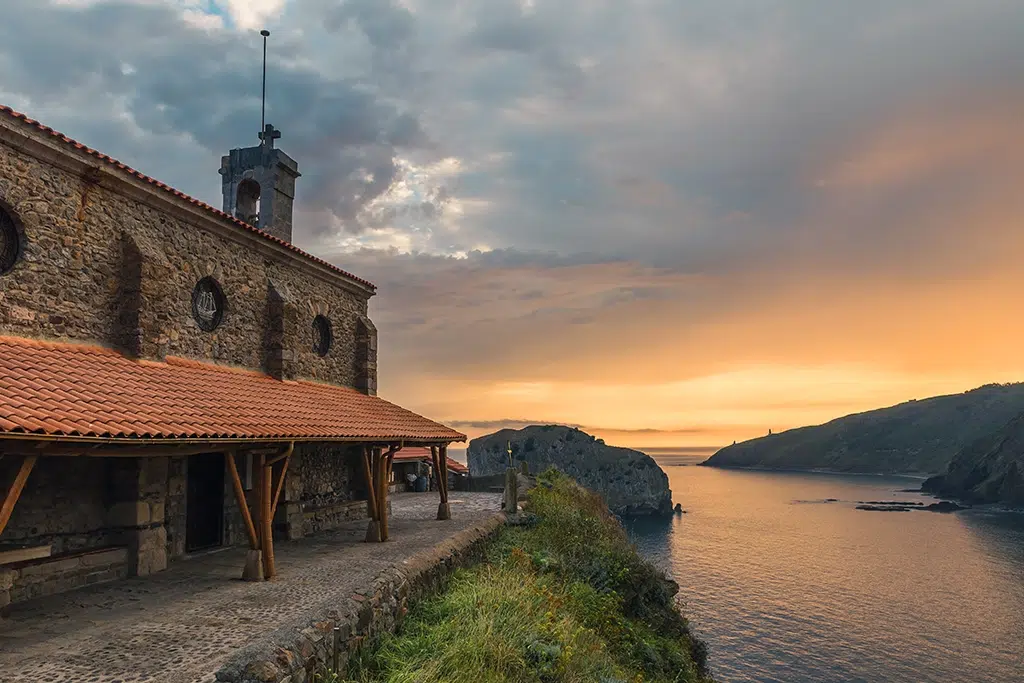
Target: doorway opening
<point>204,502</point>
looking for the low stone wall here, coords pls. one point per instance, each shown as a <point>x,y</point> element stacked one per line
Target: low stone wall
<point>296,652</point>
<point>35,578</point>
<point>332,515</point>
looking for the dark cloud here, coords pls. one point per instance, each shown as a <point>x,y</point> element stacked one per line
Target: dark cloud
<point>173,79</point>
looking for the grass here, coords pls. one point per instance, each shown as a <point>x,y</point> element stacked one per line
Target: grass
<point>565,598</point>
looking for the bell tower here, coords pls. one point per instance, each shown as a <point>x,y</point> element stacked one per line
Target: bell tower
<point>258,185</point>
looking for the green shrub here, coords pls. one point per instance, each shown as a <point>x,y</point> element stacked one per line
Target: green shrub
<point>566,599</point>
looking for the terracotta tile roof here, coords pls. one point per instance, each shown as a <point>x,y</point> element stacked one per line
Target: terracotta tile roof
<point>413,453</point>
<point>88,391</point>
<point>11,113</point>
<point>410,453</point>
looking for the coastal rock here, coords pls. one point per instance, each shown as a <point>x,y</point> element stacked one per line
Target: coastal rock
<point>943,506</point>
<point>630,482</point>
<point>990,470</point>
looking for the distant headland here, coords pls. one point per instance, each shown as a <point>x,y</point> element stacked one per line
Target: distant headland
<point>970,445</point>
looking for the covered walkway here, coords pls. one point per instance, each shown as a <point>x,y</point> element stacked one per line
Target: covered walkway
<point>181,625</point>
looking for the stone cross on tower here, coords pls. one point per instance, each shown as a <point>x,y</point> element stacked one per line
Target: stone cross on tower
<point>270,134</point>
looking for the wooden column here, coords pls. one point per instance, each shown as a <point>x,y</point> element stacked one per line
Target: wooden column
<point>266,504</point>
<point>373,534</point>
<point>15,489</point>
<point>444,510</point>
<point>387,464</point>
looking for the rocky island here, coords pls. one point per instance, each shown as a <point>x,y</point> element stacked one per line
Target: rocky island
<point>630,482</point>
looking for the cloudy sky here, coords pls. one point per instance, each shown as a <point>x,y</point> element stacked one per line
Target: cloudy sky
<point>672,222</point>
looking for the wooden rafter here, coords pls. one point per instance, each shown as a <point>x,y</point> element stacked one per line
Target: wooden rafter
<point>15,489</point>
<point>280,483</point>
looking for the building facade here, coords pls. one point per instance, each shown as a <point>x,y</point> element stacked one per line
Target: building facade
<point>116,286</point>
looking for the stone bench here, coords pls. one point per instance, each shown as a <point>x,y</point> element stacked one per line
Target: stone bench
<point>20,581</point>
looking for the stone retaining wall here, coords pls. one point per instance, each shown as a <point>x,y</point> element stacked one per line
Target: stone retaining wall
<point>298,651</point>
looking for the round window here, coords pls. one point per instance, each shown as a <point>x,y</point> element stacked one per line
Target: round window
<point>322,337</point>
<point>208,304</point>
<point>10,242</point>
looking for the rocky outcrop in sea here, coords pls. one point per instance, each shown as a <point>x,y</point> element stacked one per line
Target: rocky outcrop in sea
<point>630,482</point>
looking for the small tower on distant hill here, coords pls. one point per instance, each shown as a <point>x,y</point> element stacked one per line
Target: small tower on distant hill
<point>258,184</point>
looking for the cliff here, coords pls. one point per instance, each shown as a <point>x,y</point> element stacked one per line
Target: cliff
<point>917,437</point>
<point>990,470</point>
<point>630,482</point>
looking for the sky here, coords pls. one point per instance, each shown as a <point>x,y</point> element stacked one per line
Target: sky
<point>671,223</point>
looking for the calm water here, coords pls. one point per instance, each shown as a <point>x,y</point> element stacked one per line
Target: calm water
<point>785,587</point>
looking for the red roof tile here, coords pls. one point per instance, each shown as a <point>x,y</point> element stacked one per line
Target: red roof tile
<point>11,113</point>
<point>412,453</point>
<point>88,391</point>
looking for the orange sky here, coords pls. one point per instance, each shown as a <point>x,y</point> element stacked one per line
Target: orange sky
<point>821,325</point>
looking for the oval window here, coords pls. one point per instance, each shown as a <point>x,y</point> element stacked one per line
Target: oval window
<point>10,242</point>
<point>322,336</point>
<point>208,304</point>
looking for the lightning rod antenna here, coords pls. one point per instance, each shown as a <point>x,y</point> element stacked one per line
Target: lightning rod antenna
<point>263,104</point>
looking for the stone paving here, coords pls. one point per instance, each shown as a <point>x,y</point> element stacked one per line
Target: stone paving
<point>180,625</point>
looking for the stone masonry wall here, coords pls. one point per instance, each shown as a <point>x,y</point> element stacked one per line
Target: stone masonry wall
<point>64,505</point>
<point>299,653</point>
<point>99,266</point>
<point>329,477</point>
<point>84,507</point>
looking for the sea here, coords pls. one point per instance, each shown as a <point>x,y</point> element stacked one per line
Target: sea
<point>787,582</point>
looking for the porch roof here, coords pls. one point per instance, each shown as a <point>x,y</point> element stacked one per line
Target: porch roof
<point>54,389</point>
<point>419,453</point>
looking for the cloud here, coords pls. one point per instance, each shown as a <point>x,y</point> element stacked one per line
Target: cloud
<point>606,193</point>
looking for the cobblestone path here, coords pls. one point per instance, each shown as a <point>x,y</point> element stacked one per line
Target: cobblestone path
<point>180,625</point>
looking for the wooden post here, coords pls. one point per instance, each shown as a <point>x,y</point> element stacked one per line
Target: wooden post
<point>444,510</point>
<point>266,517</point>
<point>371,506</point>
<point>14,492</point>
<point>388,460</point>
<point>373,534</point>
<point>382,494</point>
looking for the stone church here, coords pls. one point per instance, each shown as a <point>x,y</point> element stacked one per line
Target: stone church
<point>174,377</point>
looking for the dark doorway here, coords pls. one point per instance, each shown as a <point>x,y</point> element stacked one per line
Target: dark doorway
<point>204,504</point>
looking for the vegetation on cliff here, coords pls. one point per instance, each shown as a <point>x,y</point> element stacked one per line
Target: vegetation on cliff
<point>563,597</point>
<point>630,482</point>
<point>990,470</point>
<point>917,437</point>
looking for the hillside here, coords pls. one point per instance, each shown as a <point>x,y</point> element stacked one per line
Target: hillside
<point>916,437</point>
<point>991,470</point>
